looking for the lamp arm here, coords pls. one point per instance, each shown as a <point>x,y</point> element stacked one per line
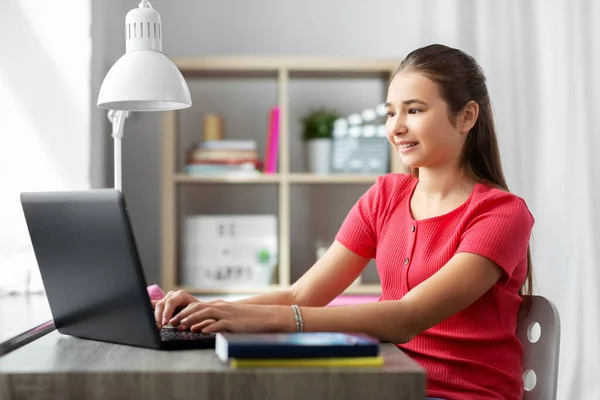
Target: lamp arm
<point>117,118</point>
<point>146,3</point>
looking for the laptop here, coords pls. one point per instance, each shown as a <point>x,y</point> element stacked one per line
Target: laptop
<point>91,270</point>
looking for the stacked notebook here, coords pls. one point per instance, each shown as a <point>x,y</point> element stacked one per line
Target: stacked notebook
<point>308,349</point>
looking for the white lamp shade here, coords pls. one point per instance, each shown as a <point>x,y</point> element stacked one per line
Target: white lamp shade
<point>144,80</point>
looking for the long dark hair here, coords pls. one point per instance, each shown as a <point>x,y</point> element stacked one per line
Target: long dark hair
<point>460,79</point>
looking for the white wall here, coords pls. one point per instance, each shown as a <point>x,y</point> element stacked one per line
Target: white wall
<point>44,115</point>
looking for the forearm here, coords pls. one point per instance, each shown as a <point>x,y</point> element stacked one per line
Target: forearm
<point>386,320</point>
<point>277,297</point>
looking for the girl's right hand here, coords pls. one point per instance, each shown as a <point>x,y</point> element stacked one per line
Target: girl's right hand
<point>165,308</point>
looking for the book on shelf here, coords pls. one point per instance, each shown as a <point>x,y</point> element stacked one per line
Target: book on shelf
<point>272,142</point>
<point>227,144</point>
<point>218,156</point>
<point>223,169</point>
<point>223,158</point>
<point>289,346</point>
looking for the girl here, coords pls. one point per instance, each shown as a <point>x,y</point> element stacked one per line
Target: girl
<point>450,241</point>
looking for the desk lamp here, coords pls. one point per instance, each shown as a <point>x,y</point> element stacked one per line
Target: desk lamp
<point>143,79</point>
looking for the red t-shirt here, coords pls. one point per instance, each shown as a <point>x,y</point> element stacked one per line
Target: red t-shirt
<point>474,354</point>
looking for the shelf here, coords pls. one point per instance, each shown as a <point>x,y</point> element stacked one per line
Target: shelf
<point>277,178</point>
<point>230,290</point>
<point>317,64</point>
<point>374,289</point>
<point>367,288</point>
<point>251,86</point>
<point>313,178</point>
<point>270,178</point>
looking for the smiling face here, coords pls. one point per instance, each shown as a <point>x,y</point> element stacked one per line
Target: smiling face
<point>418,124</point>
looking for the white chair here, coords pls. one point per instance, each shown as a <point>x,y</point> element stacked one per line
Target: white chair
<point>539,332</point>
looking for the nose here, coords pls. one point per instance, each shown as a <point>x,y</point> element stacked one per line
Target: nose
<point>398,127</point>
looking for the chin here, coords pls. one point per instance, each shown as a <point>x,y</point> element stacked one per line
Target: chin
<point>410,162</point>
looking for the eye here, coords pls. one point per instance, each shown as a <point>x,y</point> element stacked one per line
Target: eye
<point>390,114</point>
<point>414,110</point>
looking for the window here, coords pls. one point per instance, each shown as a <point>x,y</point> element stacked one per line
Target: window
<point>44,119</point>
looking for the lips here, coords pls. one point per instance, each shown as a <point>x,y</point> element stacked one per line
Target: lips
<point>406,145</point>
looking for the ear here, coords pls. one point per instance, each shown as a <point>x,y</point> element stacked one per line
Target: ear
<point>468,116</point>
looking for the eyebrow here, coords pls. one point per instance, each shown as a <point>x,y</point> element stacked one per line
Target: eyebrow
<point>409,101</point>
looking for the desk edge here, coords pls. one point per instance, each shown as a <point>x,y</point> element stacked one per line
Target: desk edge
<point>26,337</point>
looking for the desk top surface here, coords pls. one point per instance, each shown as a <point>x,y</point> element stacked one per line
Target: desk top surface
<point>62,353</point>
<point>60,366</point>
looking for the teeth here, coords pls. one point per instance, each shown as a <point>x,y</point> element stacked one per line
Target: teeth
<point>406,146</point>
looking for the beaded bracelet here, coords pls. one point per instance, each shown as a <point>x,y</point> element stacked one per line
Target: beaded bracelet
<point>298,317</point>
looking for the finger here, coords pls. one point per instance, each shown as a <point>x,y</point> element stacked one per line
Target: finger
<point>170,305</point>
<point>185,312</point>
<point>153,303</point>
<point>202,325</point>
<point>203,313</point>
<point>158,312</point>
<point>218,326</point>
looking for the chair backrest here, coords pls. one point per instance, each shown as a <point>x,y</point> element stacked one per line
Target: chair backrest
<point>539,332</point>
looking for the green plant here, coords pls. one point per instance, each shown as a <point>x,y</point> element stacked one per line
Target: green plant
<point>319,124</point>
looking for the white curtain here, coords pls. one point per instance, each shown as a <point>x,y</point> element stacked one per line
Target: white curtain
<point>44,118</point>
<point>542,59</point>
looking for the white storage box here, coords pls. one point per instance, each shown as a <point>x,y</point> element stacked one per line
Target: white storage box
<point>221,251</point>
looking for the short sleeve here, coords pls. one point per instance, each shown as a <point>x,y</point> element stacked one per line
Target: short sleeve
<point>358,231</point>
<point>500,231</point>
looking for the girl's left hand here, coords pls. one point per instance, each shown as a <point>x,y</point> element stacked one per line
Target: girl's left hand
<point>234,317</point>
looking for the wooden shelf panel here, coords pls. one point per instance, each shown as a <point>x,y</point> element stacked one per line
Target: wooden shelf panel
<point>292,64</point>
<point>230,290</point>
<point>367,288</point>
<point>314,178</point>
<point>270,178</point>
<point>374,289</point>
<point>277,178</point>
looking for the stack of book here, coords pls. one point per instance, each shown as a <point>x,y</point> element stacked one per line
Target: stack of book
<point>223,157</point>
<point>307,349</point>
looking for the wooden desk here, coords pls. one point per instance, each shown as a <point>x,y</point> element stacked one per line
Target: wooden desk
<point>56,366</point>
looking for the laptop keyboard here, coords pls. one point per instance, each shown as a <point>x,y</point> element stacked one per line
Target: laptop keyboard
<point>169,334</point>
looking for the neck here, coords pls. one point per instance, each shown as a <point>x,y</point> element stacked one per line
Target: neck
<point>443,182</point>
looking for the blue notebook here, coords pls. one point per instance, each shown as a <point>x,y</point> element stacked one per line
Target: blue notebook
<point>294,345</point>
